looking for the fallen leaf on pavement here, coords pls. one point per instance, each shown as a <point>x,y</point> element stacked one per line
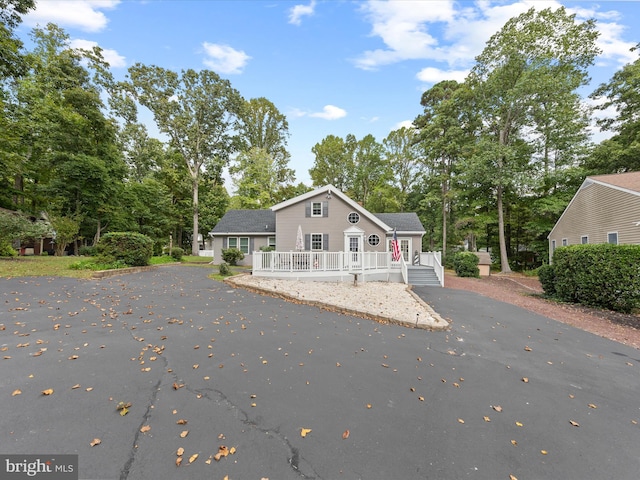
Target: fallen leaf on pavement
<point>145,428</point>
<point>575,424</point>
<point>487,419</point>
<point>184,433</point>
<point>460,420</point>
<point>525,379</point>
<point>222,452</point>
<point>345,434</point>
<point>48,391</point>
<point>543,452</point>
<point>592,405</point>
<point>193,458</point>
<point>497,408</point>
<point>527,349</point>
<point>182,421</point>
<point>304,432</point>
<point>519,424</point>
<point>514,443</point>
<point>180,452</point>
<point>95,441</point>
<point>17,391</point>
<point>178,461</point>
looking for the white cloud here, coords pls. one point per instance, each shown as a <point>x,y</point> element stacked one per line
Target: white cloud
<point>298,11</point>
<point>85,15</point>
<point>405,123</point>
<point>330,112</point>
<point>434,75</point>
<point>113,58</point>
<point>224,59</point>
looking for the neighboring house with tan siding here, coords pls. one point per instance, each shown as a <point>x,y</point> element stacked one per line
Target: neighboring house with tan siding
<point>606,209</point>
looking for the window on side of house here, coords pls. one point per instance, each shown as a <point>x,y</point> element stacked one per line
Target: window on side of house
<point>584,239</point>
<point>565,242</point>
<point>353,218</point>
<point>271,242</point>
<point>316,209</point>
<point>612,237</point>
<point>244,245</point>
<point>232,242</point>
<point>316,241</point>
<point>553,246</point>
<point>373,240</point>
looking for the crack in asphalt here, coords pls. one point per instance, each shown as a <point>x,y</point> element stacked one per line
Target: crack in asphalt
<point>294,459</point>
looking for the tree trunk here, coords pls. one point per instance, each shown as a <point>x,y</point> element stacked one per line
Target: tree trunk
<point>504,258</point>
<point>195,248</point>
<point>444,218</point>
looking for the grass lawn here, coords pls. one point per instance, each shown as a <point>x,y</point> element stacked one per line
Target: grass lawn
<point>49,266</point>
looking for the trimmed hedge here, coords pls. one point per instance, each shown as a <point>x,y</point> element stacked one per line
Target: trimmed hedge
<point>232,255</point>
<point>132,248</point>
<point>605,275</point>
<point>177,253</point>
<point>466,264</point>
<point>547,277</point>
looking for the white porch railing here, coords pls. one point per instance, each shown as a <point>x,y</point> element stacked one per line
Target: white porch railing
<point>434,259</point>
<point>320,262</point>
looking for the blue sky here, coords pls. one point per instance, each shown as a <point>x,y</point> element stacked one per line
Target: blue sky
<point>332,67</point>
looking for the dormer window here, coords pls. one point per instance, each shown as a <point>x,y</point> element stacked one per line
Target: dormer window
<point>316,209</point>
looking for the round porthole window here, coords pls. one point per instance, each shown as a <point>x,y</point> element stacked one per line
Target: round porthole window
<point>353,218</point>
<point>373,240</point>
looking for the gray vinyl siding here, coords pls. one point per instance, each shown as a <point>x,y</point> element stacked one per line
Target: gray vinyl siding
<point>595,211</point>
<point>333,225</point>
<point>255,242</point>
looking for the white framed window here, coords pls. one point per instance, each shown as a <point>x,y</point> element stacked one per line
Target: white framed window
<point>553,246</point>
<point>271,242</point>
<point>584,239</point>
<point>244,245</point>
<point>373,240</point>
<point>612,237</point>
<point>353,218</point>
<point>565,242</point>
<point>316,209</point>
<point>241,243</point>
<point>316,241</point>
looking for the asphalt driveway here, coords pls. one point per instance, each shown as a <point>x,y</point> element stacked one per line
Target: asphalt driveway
<point>505,392</point>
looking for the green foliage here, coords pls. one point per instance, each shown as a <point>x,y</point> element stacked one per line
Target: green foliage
<point>466,264</point>
<point>547,277</point>
<point>224,269</point>
<point>177,253</point>
<point>134,249</point>
<point>232,255</point>
<point>6,250</point>
<point>88,251</point>
<point>605,276</point>
<point>96,264</point>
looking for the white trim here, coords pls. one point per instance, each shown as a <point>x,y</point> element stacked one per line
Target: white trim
<point>617,238</point>
<point>334,193</point>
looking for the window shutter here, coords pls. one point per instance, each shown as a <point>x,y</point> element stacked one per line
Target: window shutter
<point>325,241</point>
<point>251,246</point>
<point>224,242</point>
<point>307,241</point>
<point>307,209</point>
<point>325,209</point>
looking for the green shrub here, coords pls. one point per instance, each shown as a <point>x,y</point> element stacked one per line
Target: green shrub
<point>547,277</point>
<point>90,264</point>
<point>134,249</point>
<point>466,264</point>
<point>88,251</point>
<point>605,276</point>
<point>177,253</point>
<point>6,250</point>
<point>232,255</point>
<point>224,269</point>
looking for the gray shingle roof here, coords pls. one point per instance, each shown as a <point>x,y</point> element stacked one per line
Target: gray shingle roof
<point>403,222</point>
<point>246,221</point>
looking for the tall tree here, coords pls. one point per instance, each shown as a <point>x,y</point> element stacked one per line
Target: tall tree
<point>11,59</point>
<point>256,179</point>
<point>402,154</point>
<point>446,131</point>
<point>370,170</point>
<point>197,110</point>
<point>533,52</point>
<point>333,163</point>
<point>620,153</point>
<point>263,126</point>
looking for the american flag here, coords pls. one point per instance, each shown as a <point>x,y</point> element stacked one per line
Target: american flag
<point>395,247</point>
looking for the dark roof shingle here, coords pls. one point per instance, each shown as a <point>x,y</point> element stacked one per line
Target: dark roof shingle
<point>246,221</point>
